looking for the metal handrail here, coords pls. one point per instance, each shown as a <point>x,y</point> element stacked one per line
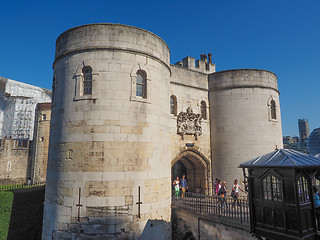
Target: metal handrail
<point>213,205</point>
<point>21,185</point>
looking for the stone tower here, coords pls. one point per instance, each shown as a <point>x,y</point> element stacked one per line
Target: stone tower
<point>40,144</point>
<point>244,117</point>
<point>109,164</point>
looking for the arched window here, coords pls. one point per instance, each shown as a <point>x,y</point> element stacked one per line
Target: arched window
<point>273,109</point>
<point>173,105</point>
<point>87,80</point>
<point>141,84</point>
<point>203,110</point>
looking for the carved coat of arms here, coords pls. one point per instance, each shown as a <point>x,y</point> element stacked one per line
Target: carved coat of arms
<point>189,123</point>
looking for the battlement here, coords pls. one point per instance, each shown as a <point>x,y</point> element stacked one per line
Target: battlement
<point>204,64</point>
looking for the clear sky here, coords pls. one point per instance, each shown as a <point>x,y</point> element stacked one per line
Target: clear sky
<point>282,36</point>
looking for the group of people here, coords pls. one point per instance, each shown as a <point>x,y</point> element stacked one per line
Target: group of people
<point>180,184</point>
<point>220,190</point>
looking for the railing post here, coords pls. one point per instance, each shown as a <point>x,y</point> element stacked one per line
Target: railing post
<point>241,204</point>
<point>194,202</point>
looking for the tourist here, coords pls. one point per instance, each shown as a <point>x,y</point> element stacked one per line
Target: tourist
<point>235,193</point>
<point>215,185</point>
<point>316,199</point>
<point>184,185</point>
<point>218,186</point>
<point>176,187</point>
<point>223,195</point>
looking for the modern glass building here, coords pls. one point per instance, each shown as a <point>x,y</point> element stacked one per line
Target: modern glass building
<point>314,142</point>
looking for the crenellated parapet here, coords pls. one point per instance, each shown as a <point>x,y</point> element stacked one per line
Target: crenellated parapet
<point>204,64</point>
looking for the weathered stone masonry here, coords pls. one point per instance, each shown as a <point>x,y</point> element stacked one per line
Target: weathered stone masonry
<point>125,122</point>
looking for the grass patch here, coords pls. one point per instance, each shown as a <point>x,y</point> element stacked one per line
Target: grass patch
<point>6,199</point>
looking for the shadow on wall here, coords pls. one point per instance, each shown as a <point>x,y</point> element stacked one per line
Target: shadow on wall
<point>155,229</point>
<point>26,214</point>
<point>188,236</point>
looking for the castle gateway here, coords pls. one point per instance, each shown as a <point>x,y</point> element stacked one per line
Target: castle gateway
<point>125,122</point>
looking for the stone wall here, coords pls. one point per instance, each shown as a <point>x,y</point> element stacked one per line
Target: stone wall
<point>242,127</point>
<point>106,146</point>
<point>40,144</point>
<point>14,161</point>
<point>189,225</point>
<point>111,150</point>
<point>190,87</point>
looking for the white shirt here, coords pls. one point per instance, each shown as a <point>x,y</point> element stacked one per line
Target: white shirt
<point>177,184</point>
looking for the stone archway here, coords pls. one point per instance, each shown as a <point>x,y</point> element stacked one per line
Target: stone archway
<point>196,168</point>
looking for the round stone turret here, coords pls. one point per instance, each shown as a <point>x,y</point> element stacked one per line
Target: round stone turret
<point>109,163</point>
<point>245,119</point>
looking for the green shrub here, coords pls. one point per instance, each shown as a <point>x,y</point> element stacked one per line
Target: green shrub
<point>6,199</point>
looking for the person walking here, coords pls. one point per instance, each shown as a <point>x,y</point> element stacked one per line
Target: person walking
<point>218,186</point>
<point>184,185</point>
<point>316,198</point>
<point>235,193</point>
<point>215,185</point>
<point>223,195</point>
<point>176,184</point>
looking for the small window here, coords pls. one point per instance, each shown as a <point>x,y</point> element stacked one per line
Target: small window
<point>272,188</point>
<point>273,109</point>
<point>22,143</point>
<point>173,105</point>
<point>87,80</point>
<point>9,166</point>
<point>44,117</point>
<point>203,110</point>
<point>141,84</point>
<point>303,191</point>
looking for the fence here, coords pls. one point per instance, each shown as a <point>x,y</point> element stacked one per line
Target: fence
<point>213,205</point>
<point>22,185</point>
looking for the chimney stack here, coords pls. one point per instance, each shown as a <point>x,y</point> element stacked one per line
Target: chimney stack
<point>210,57</point>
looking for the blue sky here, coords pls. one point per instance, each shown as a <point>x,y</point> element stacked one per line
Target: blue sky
<point>282,36</point>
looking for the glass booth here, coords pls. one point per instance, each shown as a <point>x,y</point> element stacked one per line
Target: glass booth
<point>281,196</point>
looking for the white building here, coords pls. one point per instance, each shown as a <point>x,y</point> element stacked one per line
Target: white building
<point>17,108</point>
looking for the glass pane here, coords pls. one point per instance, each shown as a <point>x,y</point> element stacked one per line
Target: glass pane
<point>139,79</point>
<point>276,189</point>
<point>305,190</point>
<point>87,84</point>
<point>139,90</point>
<point>273,110</point>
